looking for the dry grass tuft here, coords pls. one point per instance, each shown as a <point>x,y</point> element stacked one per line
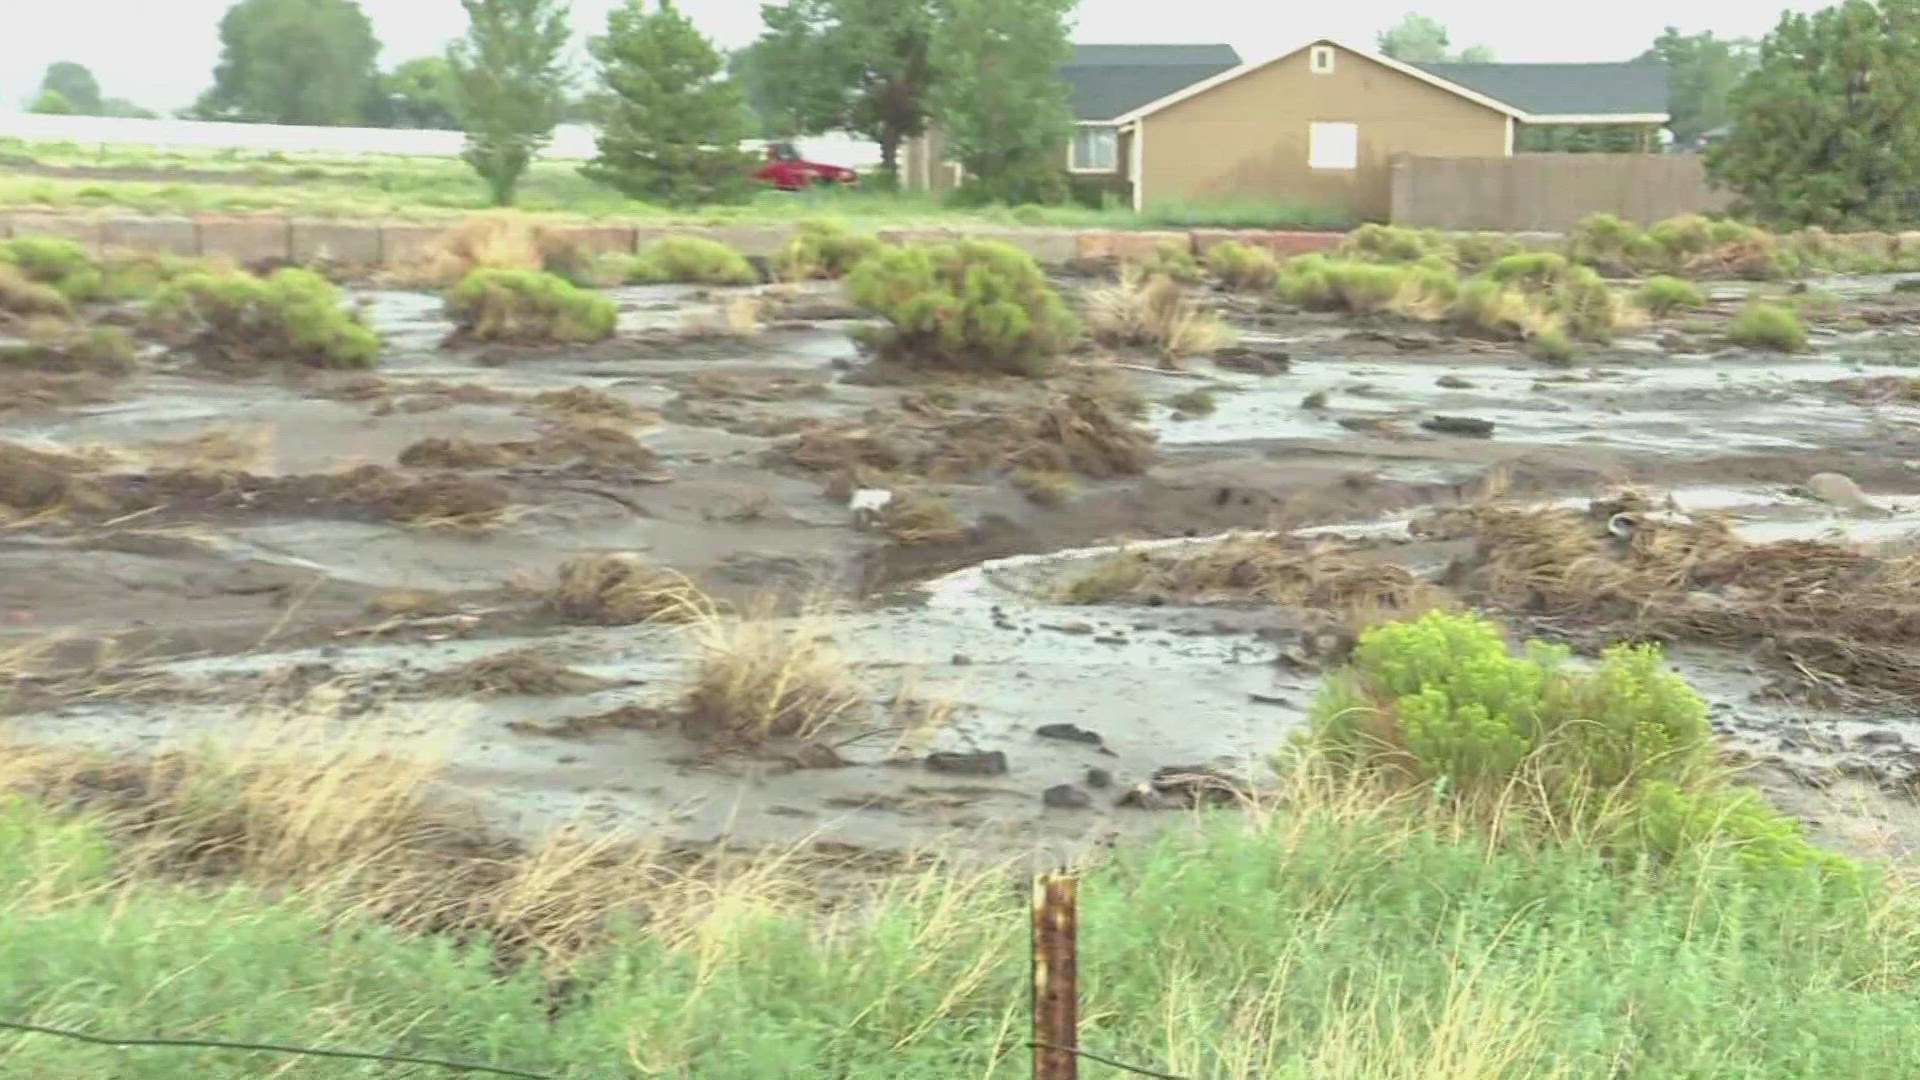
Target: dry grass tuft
<point>20,295</point>
<point>1273,569</point>
<point>757,677</point>
<point>721,386</point>
<point>1084,433</point>
<point>618,589</point>
<point>438,452</point>
<point>738,318</point>
<point>1048,487</point>
<point>526,672</point>
<point>502,241</point>
<point>586,401</point>
<point>36,482</point>
<point>920,517</point>
<point>589,443</point>
<point>1153,311</point>
<point>214,449</point>
<point>1840,612</point>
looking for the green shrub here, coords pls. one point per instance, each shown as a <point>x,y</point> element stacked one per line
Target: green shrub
<point>1392,244</point>
<point>61,264</point>
<point>1193,403</point>
<point>1586,304</point>
<point>970,303</point>
<point>529,307</point>
<point>1623,746</point>
<point>823,249</point>
<point>292,315</point>
<point>1173,259</point>
<point>1533,270</point>
<point>1765,325</point>
<point>1477,251</point>
<point>1305,281</point>
<point>1683,237</point>
<point>1367,288</point>
<point>1243,268</point>
<point>1491,307</point>
<point>692,260</point>
<point>1551,344</point>
<point>1663,295</point>
<point>1602,240</point>
<point>21,295</point>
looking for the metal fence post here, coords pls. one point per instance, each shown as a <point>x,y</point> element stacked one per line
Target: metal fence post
<point>1056,990</point>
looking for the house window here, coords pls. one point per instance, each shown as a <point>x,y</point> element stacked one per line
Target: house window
<point>1095,149</point>
<point>1333,146</point>
<point>1320,59</point>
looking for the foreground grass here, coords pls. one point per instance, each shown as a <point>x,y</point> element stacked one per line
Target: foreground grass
<point>337,186</point>
<point>1340,938</point>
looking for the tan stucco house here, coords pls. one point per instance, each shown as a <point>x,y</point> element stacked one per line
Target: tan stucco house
<point>1320,124</point>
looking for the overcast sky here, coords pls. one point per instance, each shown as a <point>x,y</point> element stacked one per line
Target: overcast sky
<point>161,53</point>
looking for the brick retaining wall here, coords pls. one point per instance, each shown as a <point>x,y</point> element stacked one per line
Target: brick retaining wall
<point>272,238</point>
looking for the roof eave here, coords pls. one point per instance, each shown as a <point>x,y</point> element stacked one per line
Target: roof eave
<point>1595,118</point>
<point>1231,74</point>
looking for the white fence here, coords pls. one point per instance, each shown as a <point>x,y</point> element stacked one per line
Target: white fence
<point>571,142</point>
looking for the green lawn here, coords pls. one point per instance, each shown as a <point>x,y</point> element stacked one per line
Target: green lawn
<point>1326,941</point>
<point>339,186</point>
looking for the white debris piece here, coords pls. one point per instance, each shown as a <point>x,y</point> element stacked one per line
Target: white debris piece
<point>867,504</point>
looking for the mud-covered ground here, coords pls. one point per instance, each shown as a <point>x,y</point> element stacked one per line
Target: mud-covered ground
<point>220,561</point>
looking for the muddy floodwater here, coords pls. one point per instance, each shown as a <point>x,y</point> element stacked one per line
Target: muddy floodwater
<point>999,715</point>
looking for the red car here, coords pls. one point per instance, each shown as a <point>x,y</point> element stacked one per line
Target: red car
<point>787,170</point>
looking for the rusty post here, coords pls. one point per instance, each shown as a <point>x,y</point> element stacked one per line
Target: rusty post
<point>1056,987</point>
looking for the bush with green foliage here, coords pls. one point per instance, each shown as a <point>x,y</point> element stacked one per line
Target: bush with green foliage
<point>1172,259</point>
<point>528,307</point>
<point>1683,237</point>
<point>1477,251</point>
<point>1531,270</point>
<point>823,249</point>
<point>55,262</point>
<point>1585,304</point>
<point>1622,747</point>
<point>692,260</point>
<point>292,315</point>
<point>1605,241</point>
<point>1393,244</point>
<point>970,303</point>
<point>1551,344</point>
<point>1769,326</point>
<point>21,295</point>
<point>1663,296</point>
<point>1243,268</point>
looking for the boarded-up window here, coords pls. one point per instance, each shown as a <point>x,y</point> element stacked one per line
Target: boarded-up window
<point>1095,149</point>
<point>1333,146</point>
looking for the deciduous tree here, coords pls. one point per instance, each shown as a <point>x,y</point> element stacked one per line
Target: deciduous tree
<point>999,97</point>
<point>1702,71</point>
<point>1418,39</point>
<point>510,85</point>
<point>672,123</point>
<point>75,83</point>
<point>1823,130</point>
<point>293,62</point>
<point>420,94</point>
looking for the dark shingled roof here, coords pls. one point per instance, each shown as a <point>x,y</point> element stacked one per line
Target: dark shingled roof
<point>1565,89</point>
<point>1110,80</point>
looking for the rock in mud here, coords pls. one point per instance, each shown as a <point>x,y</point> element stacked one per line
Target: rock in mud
<point>1185,786</point>
<point>983,763</point>
<point>1452,382</point>
<point>1254,361</point>
<point>1835,489</point>
<point>1072,733</point>
<point>1099,779</point>
<point>1066,797</point>
<point>1471,427</point>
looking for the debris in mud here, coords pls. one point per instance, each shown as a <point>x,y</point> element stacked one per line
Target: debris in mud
<point>1254,361</point>
<point>1835,489</point>
<point>524,672</point>
<point>1099,779</point>
<point>1066,797</point>
<point>1072,733</point>
<point>624,718</point>
<point>585,401</point>
<point>919,517</point>
<point>1468,426</point>
<point>620,589</point>
<point>34,482</point>
<point>1452,382</point>
<point>1185,788</point>
<point>591,446</point>
<point>1314,401</point>
<point>1837,613</point>
<point>720,386</point>
<point>1270,568</point>
<point>978,763</point>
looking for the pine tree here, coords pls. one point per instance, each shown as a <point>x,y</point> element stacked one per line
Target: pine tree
<point>509,86</point>
<point>672,126</point>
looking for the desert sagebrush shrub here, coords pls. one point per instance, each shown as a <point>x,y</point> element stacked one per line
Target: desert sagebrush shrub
<point>692,260</point>
<point>1604,241</point>
<point>1533,270</point>
<point>966,304</point>
<point>1477,251</point>
<point>528,307</point>
<point>21,295</point>
<point>1243,268</point>
<point>291,315</point>
<point>1769,326</point>
<point>1153,310</point>
<point>59,263</point>
<point>1683,237</point>
<point>1173,259</point>
<point>1586,304</point>
<point>823,249</point>
<point>1393,244</point>
<point>1661,295</point>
